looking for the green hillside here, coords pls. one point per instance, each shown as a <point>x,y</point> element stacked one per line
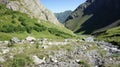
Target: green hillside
<point>14,23</point>
<point>111,35</point>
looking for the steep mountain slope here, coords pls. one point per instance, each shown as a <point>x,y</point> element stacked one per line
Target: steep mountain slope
<point>15,23</point>
<point>62,16</point>
<point>94,16</point>
<point>31,7</point>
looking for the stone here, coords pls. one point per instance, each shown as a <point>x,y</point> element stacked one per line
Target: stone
<point>2,59</point>
<point>6,42</point>
<point>38,61</point>
<point>114,50</point>
<point>15,40</point>
<point>105,49</point>
<point>98,62</point>
<point>89,39</point>
<point>32,42</point>
<point>66,40</point>
<point>44,46</point>
<point>29,38</point>
<point>53,59</point>
<point>111,59</point>
<point>50,43</point>
<point>44,39</point>
<point>96,66</point>
<point>4,51</point>
<point>77,60</point>
<point>11,56</point>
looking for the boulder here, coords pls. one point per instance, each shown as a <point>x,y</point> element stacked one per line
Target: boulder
<point>6,42</point>
<point>4,51</point>
<point>53,59</point>
<point>38,61</point>
<point>11,56</point>
<point>2,59</point>
<point>89,39</point>
<point>15,40</point>
<point>29,38</point>
<point>44,46</point>
<point>77,60</point>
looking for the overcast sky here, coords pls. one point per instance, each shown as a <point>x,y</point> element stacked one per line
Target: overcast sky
<point>61,5</point>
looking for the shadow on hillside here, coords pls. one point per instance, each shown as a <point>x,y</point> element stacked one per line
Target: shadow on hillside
<point>103,15</point>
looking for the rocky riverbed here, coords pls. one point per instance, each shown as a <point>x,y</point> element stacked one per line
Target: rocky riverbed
<point>65,53</point>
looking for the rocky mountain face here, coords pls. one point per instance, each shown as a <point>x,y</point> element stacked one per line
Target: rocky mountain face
<point>94,16</point>
<point>28,17</point>
<point>31,7</point>
<point>62,16</point>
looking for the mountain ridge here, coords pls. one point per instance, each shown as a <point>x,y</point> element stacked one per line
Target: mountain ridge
<point>62,16</point>
<point>94,16</point>
<point>36,10</point>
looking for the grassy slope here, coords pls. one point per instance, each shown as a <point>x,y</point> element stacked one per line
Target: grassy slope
<point>111,35</point>
<point>76,23</point>
<point>14,23</point>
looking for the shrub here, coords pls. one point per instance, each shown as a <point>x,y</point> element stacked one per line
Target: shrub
<point>14,16</point>
<point>23,23</point>
<point>21,19</point>
<point>83,63</point>
<point>20,61</point>
<point>13,21</point>
<point>7,28</point>
<point>28,29</point>
<point>8,12</point>
<point>59,33</point>
<point>39,28</point>
<point>36,28</point>
<point>19,29</point>
<point>37,24</point>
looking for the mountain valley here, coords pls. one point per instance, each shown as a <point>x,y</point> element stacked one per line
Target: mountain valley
<point>31,35</point>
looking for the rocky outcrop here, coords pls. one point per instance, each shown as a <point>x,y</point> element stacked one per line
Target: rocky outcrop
<point>38,61</point>
<point>33,8</point>
<point>94,16</point>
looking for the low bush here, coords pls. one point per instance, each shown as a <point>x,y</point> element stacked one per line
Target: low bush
<point>59,33</point>
<point>83,63</point>
<point>20,61</point>
<point>39,28</point>
<point>28,29</point>
<point>19,28</point>
<point>7,28</point>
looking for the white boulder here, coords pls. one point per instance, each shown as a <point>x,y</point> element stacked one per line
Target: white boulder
<point>4,51</point>
<point>38,61</point>
<point>89,39</point>
<point>15,40</point>
<point>53,59</point>
<point>2,59</point>
<point>29,38</point>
